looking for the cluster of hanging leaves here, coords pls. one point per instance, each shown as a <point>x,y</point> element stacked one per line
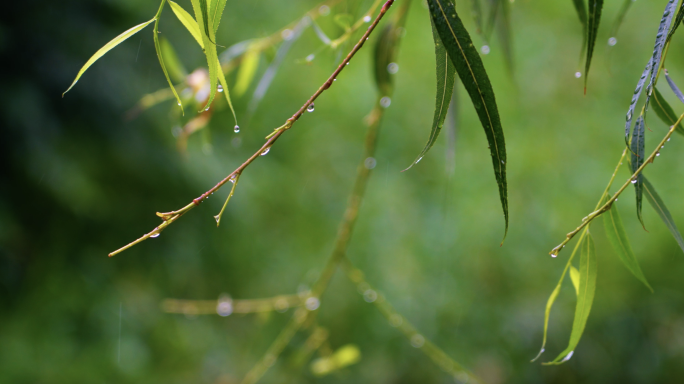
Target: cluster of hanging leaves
<point>584,278</point>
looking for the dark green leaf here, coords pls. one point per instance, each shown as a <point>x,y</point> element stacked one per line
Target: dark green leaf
<point>445,87</point>
<point>677,21</point>
<point>470,69</point>
<point>581,9</point>
<point>661,38</point>
<point>673,86</point>
<point>595,7</point>
<point>665,112</point>
<point>638,158</point>
<point>617,236</point>
<point>106,48</point>
<point>585,298</point>
<point>658,204</point>
<point>635,97</point>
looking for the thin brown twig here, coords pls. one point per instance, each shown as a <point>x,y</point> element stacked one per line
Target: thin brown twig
<point>170,217</point>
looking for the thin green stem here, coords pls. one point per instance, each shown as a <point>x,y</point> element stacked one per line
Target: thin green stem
<point>605,207</point>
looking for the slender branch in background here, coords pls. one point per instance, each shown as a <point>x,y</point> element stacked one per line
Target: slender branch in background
<point>170,217</point>
<point>226,306</point>
<point>598,211</point>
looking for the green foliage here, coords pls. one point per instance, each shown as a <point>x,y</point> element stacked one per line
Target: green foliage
<point>594,17</point>
<point>660,208</point>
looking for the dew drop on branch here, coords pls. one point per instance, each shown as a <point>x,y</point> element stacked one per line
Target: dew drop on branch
<point>155,235</point>
<point>220,88</point>
<point>312,303</point>
<point>236,129</point>
<point>370,296</point>
<point>310,107</point>
<point>569,356</point>
<point>366,19</point>
<point>324,10</point>
<point>225,306</point>
<point>265,152</point>
<point>370,163</point>
<point>634,181</point>
<point>417,340</point>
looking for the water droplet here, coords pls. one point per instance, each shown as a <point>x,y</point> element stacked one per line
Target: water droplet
<point>419,159</point>
<point>578,74</point>
<point>612,41</point>
<point>370,296</point>
<point>569,356</point>
<point>393,68</point>
<point>668,139</point>
<point>281,305</point>
<point>310,107</point>
<point>287,34</point>
<point>324,10</point>
<point>155,235</point>
<point>370,163</point>
<point>634,181</point>
<point>224,307</point>
<point>179,104</point>
<point>265,152</point>
<point>395,320</point>
<point>232,179</point>
<point>312,303</point>
<point>385,102</point>
<point>366,19</point>
<point>220,88</point>
<point>662,146</point>
<point>615,199</point>
<point>236,129</point>
<point>485,49</point>
<point>657,153</point>
<point>555,254</point>
<point>417,340</point>
<point>503,162</point>
<point>207,109</point>
<point>347,63</point>
<point>310,58</point>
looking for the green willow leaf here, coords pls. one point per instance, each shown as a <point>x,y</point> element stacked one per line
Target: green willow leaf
<point>617,236</point>
<point>585,298</point>
<point>201,14</point>
<point>635,98</point>
<point>638,158</point>
<point>659,206</point>
<point>470,69</point>
<point>216,13</point>
<point>581,9</point>
<point>160,55</point>
<point>677,21</point>
<point>665,112</point>
<point>673,86</point>
<point>661,39</point>
<point>176,69</point>
<point>595,7</point>
<point>445,87</point>
<point>575,278</point>
<point>188,21</point>
<point>248,68</point>
<point>106,48</point>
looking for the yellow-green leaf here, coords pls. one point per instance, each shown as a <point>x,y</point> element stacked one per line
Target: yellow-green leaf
<point>343,357</point>
<point>201,14</point>
<point>188,21</point>
<point>160,55</point>
<point>575,278</point>
<point>585,298</point>
<point>617,236</point>
<point>107,47</point>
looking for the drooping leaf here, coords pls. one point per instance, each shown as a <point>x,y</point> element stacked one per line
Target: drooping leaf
<point>626,4</point>
<point>664,111</point>
<point>674,87</point>
<point>188,21</point>
<point>581,10</point>
<point>216,13</point>
<point>446,73</point>
<point>248,68</point>
<point>659,206</point>
<point>268,76</point>
<point>635,98</point>
<point>638,158</point>
<point>585,297</point>
<point>661,38</point>
<point>617,236</point>
<point>201,14</point>
<point>176,69</point>
<point>470,69</point>
<point>575,278</point>
<point>678,20</point>
<point>503,28</point>
<point>206,20</point>
<point>160,55</point>
<point>106,48</point>
<point>593,20</point>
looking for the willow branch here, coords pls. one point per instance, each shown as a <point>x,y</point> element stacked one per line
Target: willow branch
<point>214,307</point>
<point>170,217</point>
<point>605,207</point>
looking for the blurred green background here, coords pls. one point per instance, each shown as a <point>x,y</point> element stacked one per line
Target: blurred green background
<point>79,181</point>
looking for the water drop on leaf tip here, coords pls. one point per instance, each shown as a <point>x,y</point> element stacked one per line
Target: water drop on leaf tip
<point>366,19</point>
<point>236,129</point>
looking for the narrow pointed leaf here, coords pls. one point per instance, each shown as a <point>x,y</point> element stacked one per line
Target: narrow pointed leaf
<point>661,38</point>
<point>585,297</point>
<point>503,28</point>
<point>659,206</point>
<point>188,21</point>
<point>176,69</point>
<point>226,91</point>
<point>160,55</point>
<point>106,48</point>
<point>446,73</point>
<point>635,98</point>
<point>617,236</point>
<point>248,68</point>
<point>216,13</point>
<point>593,20</point>
<point>674,87</point>
<point>581,10</point>
<point>638,157</point>
<point>201,14</point>
<point>575,278</point>
<point>678,20</point>
<point>664,111</point>
<point>470,69</point>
